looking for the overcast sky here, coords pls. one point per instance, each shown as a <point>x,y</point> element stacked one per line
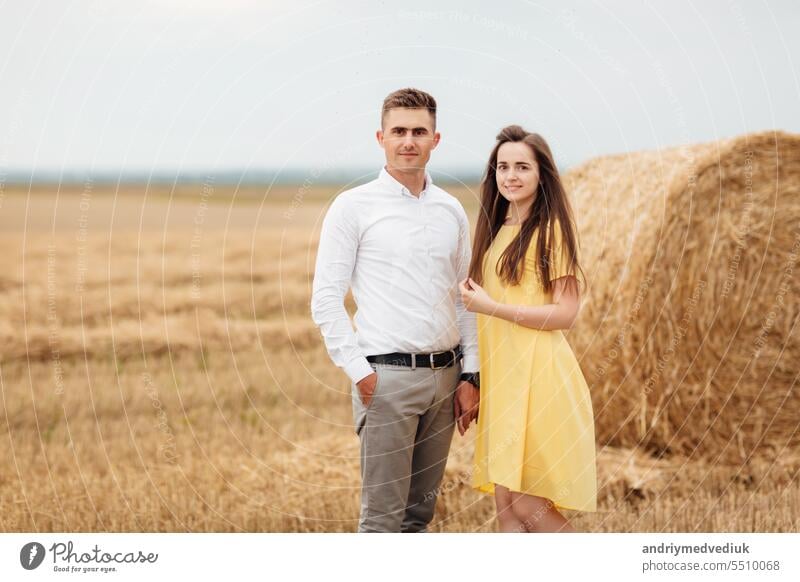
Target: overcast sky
<point>194,85</point>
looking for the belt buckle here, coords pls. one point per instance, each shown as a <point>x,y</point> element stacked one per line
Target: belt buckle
<point>433,364</point>
<point>435,367</point>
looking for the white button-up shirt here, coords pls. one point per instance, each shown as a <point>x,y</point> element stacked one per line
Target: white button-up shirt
<point>403,257</point>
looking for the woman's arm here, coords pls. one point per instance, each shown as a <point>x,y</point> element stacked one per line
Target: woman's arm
<point>560,314</point>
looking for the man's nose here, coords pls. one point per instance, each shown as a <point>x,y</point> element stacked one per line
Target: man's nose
<point>408,141</point>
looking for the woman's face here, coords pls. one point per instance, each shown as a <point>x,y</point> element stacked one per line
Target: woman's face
<point>517,172</point>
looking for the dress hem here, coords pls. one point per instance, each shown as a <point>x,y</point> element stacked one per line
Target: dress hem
<point>488,488</point>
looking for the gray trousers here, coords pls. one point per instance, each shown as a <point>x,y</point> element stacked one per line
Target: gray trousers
<point>405,435</point>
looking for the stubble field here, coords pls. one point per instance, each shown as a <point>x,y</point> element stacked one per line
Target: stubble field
<point>159,371</point>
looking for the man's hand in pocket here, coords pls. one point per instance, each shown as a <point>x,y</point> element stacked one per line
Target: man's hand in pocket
<point>366,388</point>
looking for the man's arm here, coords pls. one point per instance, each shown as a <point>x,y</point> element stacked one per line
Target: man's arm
<point>467,324</point>
<point>336,257</point>
<point>467,397</point>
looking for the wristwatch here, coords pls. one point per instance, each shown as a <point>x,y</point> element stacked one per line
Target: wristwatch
<point>473,378</point>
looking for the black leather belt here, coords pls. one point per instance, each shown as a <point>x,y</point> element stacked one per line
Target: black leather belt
<point>434,361</point>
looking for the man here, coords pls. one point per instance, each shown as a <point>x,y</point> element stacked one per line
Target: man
<point>403,245</point>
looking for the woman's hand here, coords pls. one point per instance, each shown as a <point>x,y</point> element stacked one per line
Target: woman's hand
<point>475,298</point>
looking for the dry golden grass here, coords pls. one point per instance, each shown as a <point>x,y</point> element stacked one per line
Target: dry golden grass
<point>163,375</point>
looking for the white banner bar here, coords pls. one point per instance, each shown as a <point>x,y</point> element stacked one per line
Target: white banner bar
<point>399,557</point>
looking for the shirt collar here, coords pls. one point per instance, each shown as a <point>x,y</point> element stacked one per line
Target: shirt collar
<point>397,188</point>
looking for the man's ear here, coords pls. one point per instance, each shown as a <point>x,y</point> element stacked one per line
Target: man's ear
<point>379,137</point>
<point>436,137</point>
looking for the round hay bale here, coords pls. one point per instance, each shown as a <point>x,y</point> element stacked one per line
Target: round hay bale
<point>687,334</point>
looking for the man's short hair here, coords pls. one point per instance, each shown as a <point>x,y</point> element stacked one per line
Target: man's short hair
<point>410,99</point>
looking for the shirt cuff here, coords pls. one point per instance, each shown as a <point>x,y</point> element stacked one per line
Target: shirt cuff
<point>358,369</point>
<point>470,364</point>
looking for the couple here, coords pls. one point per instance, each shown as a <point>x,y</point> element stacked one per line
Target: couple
<point>432,313</point>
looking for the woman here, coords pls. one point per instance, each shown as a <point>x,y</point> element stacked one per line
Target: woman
<point>535,446</point>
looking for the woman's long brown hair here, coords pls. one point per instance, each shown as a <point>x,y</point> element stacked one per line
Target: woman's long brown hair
<point>551,207</point>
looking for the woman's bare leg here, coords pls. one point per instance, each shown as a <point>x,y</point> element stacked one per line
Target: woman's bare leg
<point>538,514</point>
<point>508,521</point>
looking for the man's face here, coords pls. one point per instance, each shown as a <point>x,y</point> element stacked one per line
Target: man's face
<point>408,137</point>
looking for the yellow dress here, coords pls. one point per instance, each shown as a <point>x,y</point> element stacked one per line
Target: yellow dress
<point>535,423</point>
